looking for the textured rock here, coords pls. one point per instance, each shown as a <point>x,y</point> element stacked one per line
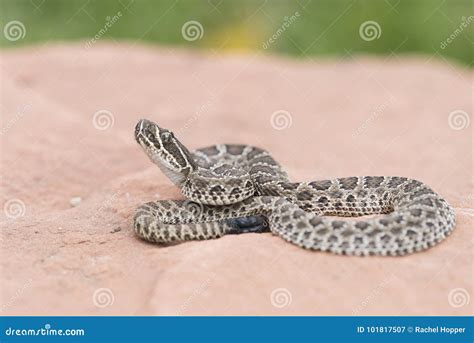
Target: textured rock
<point>348,117</point>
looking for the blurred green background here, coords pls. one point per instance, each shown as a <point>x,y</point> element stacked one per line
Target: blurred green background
<point>322,28</point>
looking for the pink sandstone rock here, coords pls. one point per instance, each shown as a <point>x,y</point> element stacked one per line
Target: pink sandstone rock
<point>361,116</point>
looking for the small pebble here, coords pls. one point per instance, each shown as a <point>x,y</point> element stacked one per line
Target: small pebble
<point>75,201</point>
<point>117,229</point>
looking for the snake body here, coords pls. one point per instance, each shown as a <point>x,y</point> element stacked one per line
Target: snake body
<point>228,181</point>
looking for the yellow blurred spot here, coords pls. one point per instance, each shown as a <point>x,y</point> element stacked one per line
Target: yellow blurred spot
<point>240,37</point>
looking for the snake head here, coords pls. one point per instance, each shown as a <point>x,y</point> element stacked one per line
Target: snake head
<point>165,150</point>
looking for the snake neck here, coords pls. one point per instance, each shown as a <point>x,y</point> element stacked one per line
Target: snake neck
<point>177,177</point>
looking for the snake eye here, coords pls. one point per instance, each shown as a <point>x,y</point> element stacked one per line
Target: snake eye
<point>166,136</point>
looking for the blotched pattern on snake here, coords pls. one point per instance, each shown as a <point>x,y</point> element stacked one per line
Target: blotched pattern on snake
<point>225,182</point>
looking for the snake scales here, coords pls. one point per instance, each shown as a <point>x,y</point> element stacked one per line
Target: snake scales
<point>224,182</point>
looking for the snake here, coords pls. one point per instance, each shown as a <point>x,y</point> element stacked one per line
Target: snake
<point>228,186</point>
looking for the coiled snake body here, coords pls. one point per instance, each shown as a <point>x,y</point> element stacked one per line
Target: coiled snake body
<point>224,182</point>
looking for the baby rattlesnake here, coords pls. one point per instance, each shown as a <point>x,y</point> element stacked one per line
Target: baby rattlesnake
<point>224,182</point>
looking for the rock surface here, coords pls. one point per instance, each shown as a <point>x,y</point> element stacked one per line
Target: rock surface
<point>68,115</point>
